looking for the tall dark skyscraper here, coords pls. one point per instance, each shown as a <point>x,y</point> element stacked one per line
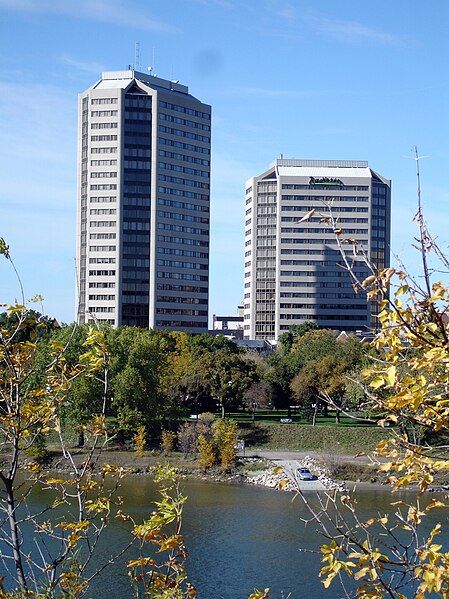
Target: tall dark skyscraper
<point>143,203</point>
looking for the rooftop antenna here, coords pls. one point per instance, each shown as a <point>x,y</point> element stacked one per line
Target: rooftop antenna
<point>137,61</point>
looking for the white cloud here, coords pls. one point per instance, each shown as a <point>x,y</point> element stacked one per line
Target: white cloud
<point>80,65</point>
<point>116,12</point>
<point>262,92</point>
<point>349,31</point>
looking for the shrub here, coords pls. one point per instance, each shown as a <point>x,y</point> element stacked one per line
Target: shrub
<point>207,457</point>
<point>225,439</point>
<point>168,439</point>
<point>140,440</point>
<point>187,438</point>
<point>38,450</point>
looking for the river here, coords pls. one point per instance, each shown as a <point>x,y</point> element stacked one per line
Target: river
<point>238,537</point>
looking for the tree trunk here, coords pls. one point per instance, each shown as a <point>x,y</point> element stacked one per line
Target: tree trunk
<point>81,439</point>
<point>15,540</point>
<point>223,412</point>
<point>254,415</point>
<point>315,411</point>
<point>337,417</point>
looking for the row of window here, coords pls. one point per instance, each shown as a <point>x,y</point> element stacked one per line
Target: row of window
<point>137,164</point>
<point>102,273</point>
<point>133,152</point>
<point>180,264</point>
<point>321,230</point>
<point>97,101</point>
<point>103,113</point>
<point>103,162</point>
<point>181,323</point>
<point>104,126</point>
<point>140,101</point>
<point>183,276</point>
<point>103,187</point>
<point>306,209</point>
<point>183,205</point>
<point>332,263</point>
<point>102,235</point>
<point>305,273</point>
<point>334,284</point>
<point>178,252</point>
<point>182,240</point>
<point>326,317</point>
<point>183,169</point>
<point>181,181</point>
<point>103,174</point>
<point>184,109</point>
<point>181,311</point>
<point>185,288</point>
<point>185,146</point>
<point>101,285</point>
<point>185,217</point>
<point>138,115</point>
<point>337,188</point>
<point>104,150</point>
<point>102,260</point>
<point>102,199</point>
<point>136,226</point>
<point>141,212</point>
<point>103,223</point>
<point>181,192</point>
<point>102,297</point>
<point>186,122</point>
<point>186,134</point>
<point>103,138</point>
<point>317,219</point>
<point>136,262</point>
<point>318,295</point>
<point>181,300</point>
<point>343,307</point>
<point>323,199</point>
<point>184,157</point>
<point>102,248</point>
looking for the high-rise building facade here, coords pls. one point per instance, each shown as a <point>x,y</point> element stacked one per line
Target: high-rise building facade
<point>293,269</point>
<point>143,203</point>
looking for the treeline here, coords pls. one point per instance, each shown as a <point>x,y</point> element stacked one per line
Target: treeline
<point>155,379</point>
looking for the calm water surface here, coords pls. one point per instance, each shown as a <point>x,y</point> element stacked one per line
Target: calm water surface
<point>238,537</point>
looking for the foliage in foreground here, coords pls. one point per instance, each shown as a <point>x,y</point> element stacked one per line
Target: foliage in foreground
<point>37,391</point>
<point>394,555</point>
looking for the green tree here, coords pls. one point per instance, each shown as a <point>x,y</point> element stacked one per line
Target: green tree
<point>294,331</point>
<point>230,375</point>
<point>258,396</point>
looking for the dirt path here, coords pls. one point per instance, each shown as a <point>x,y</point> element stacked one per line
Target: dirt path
<point>299,455</point>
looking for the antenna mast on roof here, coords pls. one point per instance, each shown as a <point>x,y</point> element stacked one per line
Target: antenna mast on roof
<point>137,61</point>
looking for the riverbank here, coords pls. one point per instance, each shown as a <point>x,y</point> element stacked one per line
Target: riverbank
<point>256,468</point>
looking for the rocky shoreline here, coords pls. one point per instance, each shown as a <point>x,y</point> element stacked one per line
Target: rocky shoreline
<point>288,481</point>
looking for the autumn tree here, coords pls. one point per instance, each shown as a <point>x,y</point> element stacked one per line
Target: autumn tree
<point>258,396</point>
<point>398,555</point>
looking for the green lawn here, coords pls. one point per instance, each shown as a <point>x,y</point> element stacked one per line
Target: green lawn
<point>270,416</point>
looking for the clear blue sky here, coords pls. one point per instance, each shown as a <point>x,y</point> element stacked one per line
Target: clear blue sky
<point>309,79</point>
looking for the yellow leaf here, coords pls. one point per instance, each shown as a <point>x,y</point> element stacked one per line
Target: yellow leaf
<point>391,375</point>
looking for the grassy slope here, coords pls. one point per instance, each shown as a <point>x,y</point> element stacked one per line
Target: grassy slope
<point>320,438</point>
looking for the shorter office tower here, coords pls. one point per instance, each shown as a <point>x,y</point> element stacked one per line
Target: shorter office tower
<point>293,268</point>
